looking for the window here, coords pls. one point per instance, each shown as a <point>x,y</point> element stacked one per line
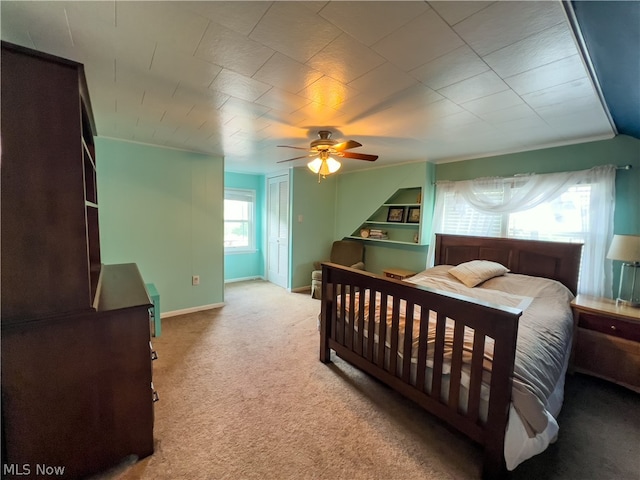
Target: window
<point>560,207</point>
<point>564,219</point>
<point>239,220</point>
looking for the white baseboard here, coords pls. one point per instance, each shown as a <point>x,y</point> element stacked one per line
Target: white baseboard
<point>184,311</point>
<point>244,279</point>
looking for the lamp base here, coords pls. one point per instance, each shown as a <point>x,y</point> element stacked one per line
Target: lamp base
<point>627,303</point>
<point>628,294</point>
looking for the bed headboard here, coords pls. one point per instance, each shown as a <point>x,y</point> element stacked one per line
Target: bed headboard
<point>556,260</point>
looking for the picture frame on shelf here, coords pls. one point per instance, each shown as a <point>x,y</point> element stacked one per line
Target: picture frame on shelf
<point>395,215</point>
<point>413,215</point>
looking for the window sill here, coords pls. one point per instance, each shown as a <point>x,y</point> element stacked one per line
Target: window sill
<point>240,252</point>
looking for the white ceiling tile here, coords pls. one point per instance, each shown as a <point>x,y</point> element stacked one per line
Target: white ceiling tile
<point>183,68</point>
<point>235,106</point>
<point>558,94</point>
<point>504,23</point>
<point>286,73</point>
<point>239,86</point>
<point>455,66</point>
<point>250,129</point>
<point>586,122</point>
<point>345,59</point>
<point>554,43</point>
<point>442,108</point>
<point>491,103</point>
<point>40,25</point>
<point>329,92</point>
<point>368,22</point>
<point>383,81</point>
<point>315,113</point>
<point>105,43</point>
<point>454,12</point>
<point>283,119</point>
<point>516,112</point>
<point>521,123</point>
<point>149,65</point>
<point>294,30</point>
<point>459,120</point>
<point>239,16</point>
<point>165,22</point>
<point>411,104</point>
<point>472,88</point>
<point>201,96</point>
<point>568,107</point>
<point>431,36</point>
<point>283,101</point>
<point>203,117</point>
<point>231,50</point>
<point>554,73</point>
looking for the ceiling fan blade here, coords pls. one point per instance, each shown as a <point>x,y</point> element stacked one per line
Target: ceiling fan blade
<point>339,147</point>
<point>294,158</point>
<point>298,148</point>
<point>359,156</point>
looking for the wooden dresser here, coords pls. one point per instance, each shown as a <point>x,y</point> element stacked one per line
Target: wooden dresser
<point>76,360</point>
<point>607,340</point>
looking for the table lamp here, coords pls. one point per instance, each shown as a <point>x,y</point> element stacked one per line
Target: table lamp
<point>626,248</point>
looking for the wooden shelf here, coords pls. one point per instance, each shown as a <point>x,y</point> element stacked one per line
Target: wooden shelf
<point>381,240</point>
<point>400,233</point>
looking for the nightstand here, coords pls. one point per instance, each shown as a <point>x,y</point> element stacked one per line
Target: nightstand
<point>398,273</point>
<point>607,340</point>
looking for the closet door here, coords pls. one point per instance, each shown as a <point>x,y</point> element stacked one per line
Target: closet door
<point>278,231</point>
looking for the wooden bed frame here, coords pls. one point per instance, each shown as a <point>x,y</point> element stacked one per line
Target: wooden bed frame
<point>558,261</point>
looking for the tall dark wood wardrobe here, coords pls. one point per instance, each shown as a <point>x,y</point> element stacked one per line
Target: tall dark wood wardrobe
<point>76,361</point>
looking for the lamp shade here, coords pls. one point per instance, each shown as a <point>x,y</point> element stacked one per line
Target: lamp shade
<point>625,248</point>
<point>324,166</point>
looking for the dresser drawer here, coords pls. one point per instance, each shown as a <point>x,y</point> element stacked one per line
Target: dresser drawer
<point>610,326</point>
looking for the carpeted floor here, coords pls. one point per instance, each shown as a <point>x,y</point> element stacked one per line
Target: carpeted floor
<point>243,396</point>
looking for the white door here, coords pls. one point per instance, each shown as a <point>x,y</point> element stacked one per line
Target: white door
<point>278,231</point>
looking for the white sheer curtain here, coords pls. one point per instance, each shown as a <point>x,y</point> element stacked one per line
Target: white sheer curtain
<point>572,206</point>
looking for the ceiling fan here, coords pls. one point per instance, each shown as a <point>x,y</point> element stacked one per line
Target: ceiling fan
<point>324,149</point>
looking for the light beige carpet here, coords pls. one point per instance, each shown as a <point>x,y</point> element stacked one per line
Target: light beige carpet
<point>243,396</point>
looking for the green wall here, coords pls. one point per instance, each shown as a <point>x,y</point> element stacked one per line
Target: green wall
<point>360,193</point>
<point>239,266</point>
<point>163,209</point>
<point>312,220</point>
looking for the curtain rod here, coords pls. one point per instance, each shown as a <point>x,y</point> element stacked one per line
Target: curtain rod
<point>628,166</point>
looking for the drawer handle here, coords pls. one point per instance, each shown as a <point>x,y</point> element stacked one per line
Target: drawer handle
<point>613,327</point>
<point>154,395</point>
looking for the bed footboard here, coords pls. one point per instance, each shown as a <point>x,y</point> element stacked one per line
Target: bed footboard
<point>431,374</point>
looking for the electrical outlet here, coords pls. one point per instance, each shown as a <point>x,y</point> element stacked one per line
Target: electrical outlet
<point>195,280</point>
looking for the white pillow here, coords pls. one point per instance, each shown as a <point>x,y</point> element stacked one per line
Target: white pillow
<point>477,271</point>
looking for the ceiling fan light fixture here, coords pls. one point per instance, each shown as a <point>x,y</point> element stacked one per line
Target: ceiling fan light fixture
<point>324,166</point>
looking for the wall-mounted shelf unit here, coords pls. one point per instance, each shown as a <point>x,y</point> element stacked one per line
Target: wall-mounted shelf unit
<point>398,220</point>
<point>76,378</point>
